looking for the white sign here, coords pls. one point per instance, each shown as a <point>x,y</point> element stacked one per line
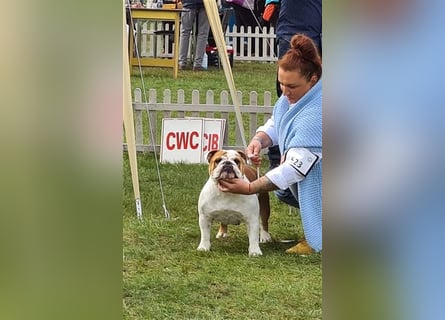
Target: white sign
<point>213,136</point>
<point>189,139</point>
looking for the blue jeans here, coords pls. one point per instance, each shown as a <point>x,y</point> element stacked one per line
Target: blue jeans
<point>288,197</point>
<point>285,196</point>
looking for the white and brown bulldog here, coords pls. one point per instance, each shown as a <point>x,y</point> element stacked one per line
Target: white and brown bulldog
<point>229,208</point>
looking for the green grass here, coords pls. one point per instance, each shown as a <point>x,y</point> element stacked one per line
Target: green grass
<point>259,77</point>
<point>165,277</point>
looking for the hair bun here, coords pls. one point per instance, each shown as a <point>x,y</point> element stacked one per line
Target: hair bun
<point>302,56</point>
<point>303,46</point>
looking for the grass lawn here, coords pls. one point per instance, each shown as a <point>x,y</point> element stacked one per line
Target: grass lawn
<point>259,77</point>
<point>165,277</point>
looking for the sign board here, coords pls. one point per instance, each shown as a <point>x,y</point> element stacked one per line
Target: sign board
<point>188,140</point>
<point>213,136</point>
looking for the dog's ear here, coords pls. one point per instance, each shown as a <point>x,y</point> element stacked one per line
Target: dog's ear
<point>242,154</point>
<point>210,155</point>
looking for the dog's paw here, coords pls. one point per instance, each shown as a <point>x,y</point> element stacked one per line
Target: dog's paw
<point>255,253</point>
<point>221,235</point>
<point>265,237</point>
<point>203,247</point>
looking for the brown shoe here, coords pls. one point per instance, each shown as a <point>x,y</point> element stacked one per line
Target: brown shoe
<point>301,248</point>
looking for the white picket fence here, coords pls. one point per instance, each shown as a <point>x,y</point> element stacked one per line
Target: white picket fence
<point>252,45</point>
<point>148,115</point>
<point>249,45</point>
<point>156,39</point>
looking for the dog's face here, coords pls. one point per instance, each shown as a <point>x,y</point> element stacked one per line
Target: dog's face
<point>226,164</point>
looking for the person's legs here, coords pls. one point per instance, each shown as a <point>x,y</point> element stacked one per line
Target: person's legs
<point>187,19</point>
<point>287,197</point>
<point>302,247</point>
<point>274,161</point>
<point>202,36</point>
<point>274,157</point>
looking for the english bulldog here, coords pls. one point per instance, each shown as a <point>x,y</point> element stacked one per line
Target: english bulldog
<point>229,208</point>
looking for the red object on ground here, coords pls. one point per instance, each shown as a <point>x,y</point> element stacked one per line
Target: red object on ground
<point>212,53</point>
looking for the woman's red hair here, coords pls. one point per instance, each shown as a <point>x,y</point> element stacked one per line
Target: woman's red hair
<point>302,56</point>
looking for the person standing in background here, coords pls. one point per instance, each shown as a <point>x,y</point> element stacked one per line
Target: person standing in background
<point>195,13</point>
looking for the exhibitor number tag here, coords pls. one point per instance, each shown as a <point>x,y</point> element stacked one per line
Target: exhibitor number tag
<point>301,160</point>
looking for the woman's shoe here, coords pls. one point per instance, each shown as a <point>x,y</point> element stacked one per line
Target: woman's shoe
<point>301,248</point>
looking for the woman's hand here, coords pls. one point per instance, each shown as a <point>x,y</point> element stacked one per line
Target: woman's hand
<point>239,186</point>
<point>260,141</point>
<point>253,152</point>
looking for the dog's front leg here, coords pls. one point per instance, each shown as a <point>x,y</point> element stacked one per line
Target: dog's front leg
<point>253,230</point>
<point>205,226</point>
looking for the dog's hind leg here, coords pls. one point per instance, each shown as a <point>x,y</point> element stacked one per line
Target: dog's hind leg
<point>223,231</point>
<point>264,201</point>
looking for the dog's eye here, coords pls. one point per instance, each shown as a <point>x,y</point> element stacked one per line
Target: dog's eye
<point>218,160</point>
<point>237,161</point>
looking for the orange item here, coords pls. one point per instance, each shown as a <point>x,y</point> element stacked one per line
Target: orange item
<point>269,10</point>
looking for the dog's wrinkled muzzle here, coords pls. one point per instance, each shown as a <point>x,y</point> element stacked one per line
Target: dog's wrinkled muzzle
<point>227,172</point>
